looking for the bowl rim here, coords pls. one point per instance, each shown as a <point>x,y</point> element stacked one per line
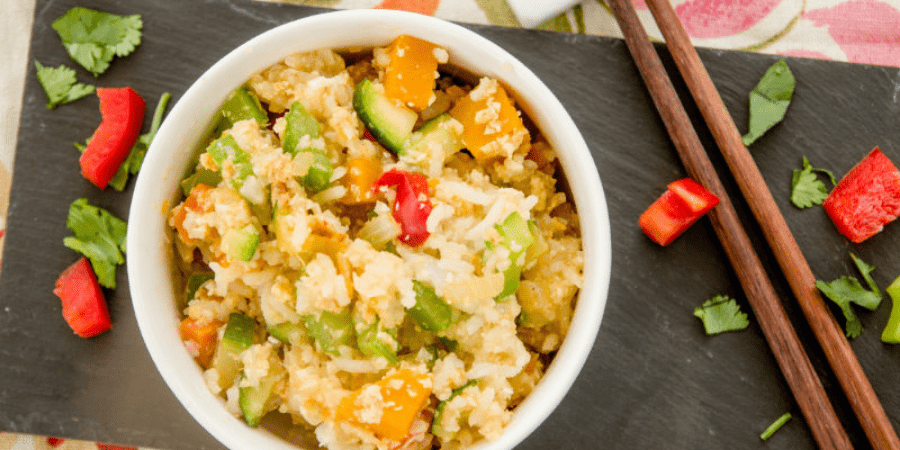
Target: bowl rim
<point>149,280</point>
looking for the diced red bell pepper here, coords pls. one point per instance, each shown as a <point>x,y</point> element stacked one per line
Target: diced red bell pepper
<point>675,210</point>
<point>412,205</point>
<point>123,115</point>
<point>83,304</point>
<point>866,199</point>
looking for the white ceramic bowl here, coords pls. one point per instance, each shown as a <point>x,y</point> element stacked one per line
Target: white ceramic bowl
<point>157,189</point>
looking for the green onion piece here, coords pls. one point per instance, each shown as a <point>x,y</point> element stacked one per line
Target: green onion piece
<point>241,105</point>
<point>436,428</point>
<point>430,312</point>
<point>226,147</point>
<point>775,426</point>
<point>371,345</point>
<point>517,238</point>
<point>330,330</point>
<point>891,333</point>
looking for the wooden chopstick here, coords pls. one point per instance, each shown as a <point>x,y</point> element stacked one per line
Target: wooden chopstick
<point>801,377</point>
<point>793,264</point>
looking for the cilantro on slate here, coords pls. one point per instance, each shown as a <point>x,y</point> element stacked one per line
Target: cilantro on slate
<point>59,83</point>
<point>93,38</point>
<point>100,236</point>
<point>720,314</point>
<point>806,188</point>
<point>769,100</point>
<point>132,163</point>
<point>847,290</point>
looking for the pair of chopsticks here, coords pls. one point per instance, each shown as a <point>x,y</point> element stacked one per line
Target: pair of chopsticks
<point>802,380</point>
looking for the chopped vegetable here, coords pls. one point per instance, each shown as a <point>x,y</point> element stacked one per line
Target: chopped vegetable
<point>100,236</point>
<point>769,100</point>
<point>480,135</point>
<point>371,342</point>
<point>256,401</point>
<point>60,85</point>
<point>403,395</point>
<point>238,337</point>
<point>806,188</point>
<point>721,314</point>
<point>123,115</point>
<point>301,124</point>
<point>430,312</point>
<point>330,330</point>
<point>866,199</point>
<point>684,202</point>
<point>775,426</point>
<point>891,333</point>
<point>93,38</point>
<point>83,304</point>
<point>409,77</point>
<point>201,336</point>
<point>240,105</point>
<point>411,206</point>
<point>362,173</point>
<point>389,122</point>
<point>436,428</point>
<point>517,238</point>
<point>132,163</point>
<point>201,176</point>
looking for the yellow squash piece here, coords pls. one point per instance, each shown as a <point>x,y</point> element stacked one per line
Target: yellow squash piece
<point>388,406</point>
<point>409,77</point>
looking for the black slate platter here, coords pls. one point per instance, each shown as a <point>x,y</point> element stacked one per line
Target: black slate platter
<point>653,379</point>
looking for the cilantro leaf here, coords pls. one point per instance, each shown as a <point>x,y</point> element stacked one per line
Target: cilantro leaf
<point>132,163</point>
<point>720,314</point>
<point>93,37</point>
<point>100,236</point>
<point>844,292</point>
<point>865,269</point>
<point>806,188</point>
<point>60,85</point>
<point>769,100</point>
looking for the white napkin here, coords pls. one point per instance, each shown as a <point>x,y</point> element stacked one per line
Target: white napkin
<point>532,13</point>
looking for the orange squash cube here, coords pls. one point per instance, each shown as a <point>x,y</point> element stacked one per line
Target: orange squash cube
<point>409,77</point>
<point>492,127</point>
<point>388,406</point>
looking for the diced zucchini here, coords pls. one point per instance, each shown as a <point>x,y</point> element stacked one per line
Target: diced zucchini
<point>241,105</point>
<point>240,244</point>
<point>436,428</point>
<point>201,176</point>
<point>287,332</point>
<point>441,132</point>
<point>299,123</point>
<point>226,148</point>
<point>256,401</point>
<point>390,122</point>
<point>237,338</point>
<point>194,282</point>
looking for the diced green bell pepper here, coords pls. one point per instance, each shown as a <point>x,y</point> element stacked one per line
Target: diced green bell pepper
<point>430,312</point>
<point>330,330</point>
<point>891,333</point>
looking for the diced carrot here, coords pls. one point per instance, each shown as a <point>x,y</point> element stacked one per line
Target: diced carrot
<point>191,203</point>
<point>400,396</point>
<point>409,77</point>
<point>203,335</point>
<point>486,119</point>
<point>361,175</point>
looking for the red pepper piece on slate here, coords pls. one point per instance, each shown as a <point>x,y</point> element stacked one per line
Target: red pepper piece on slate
<point>683,203</point>
<point>123,115</point>
<point>411,206</point>
<point>83,304</point>
<point>866,199</point>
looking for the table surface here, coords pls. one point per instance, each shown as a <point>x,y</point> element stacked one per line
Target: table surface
<point>653,377</point>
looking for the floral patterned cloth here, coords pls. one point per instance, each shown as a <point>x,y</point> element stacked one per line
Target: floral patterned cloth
<point>859,31</point>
